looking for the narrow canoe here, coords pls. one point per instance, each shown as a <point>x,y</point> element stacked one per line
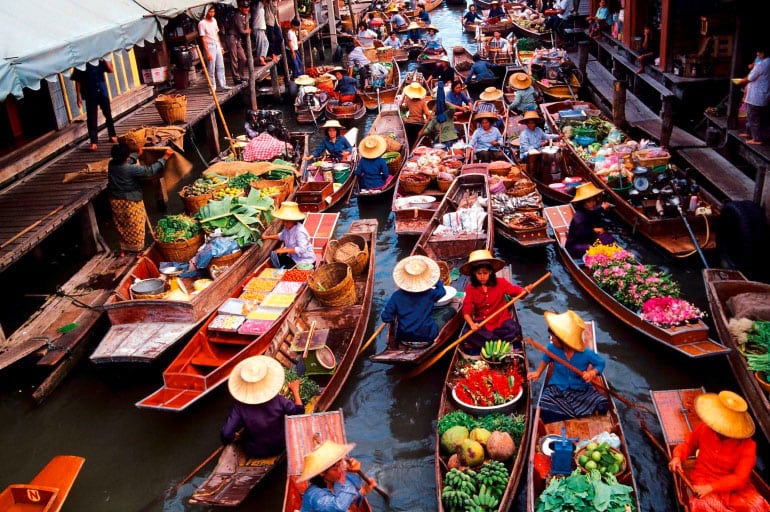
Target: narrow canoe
<point>343,329</point>
<point>721,286</point>
<point>522,31</point>
<point>307,115</point>
<point>504,26</point>
<point>348,113</point>
<point>690,340</point>
<point>453,250</point>
<point>432,4</point>
<point>677,418</point>
<point>529,235</point>
<point>462,60</point>
<point>426,62</point>
<point>388,124</point>
<point>375,98</point>
<point>581,428</point>
<point>47,491</point>
<point>564,85</point>
<point>317,195</point>
<point>209,357</point>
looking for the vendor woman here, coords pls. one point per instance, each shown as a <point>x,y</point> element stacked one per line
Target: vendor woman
<point>533,136</point>
<point>585,228</point>
<point>372,170</point>
<point>297,247</point>
<point>124,182</point>
<point>419,287</point>
<point>566,394</point>
<point>336,145</point>
<point>483,296</point>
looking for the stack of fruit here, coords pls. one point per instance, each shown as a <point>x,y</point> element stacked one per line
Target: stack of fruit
<point>601,457</point>
<point>469,490</point>
<point>496,350</point>
<point>228,191</point>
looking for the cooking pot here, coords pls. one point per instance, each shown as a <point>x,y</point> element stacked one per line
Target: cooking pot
<point>152,286</point>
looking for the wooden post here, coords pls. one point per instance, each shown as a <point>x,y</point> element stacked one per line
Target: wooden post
<point>583,57</point>
<point>92,238</point>
<point>250,60</point>
<point>213,133</point>
<point>332,24</point>
<point>733,98</point>
<point>619,103</point>
<point>667,119</point>
<point>274,80</point>
<point>759,185</point>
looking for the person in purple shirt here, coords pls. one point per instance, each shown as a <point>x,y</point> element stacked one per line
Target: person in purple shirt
<point>256,420</point>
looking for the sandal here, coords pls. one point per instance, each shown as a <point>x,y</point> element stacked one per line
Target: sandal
<point>92,147</point>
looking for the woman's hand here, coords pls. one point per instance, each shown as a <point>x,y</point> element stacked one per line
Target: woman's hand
<point>675,465</point>
<point>168,154</point>
<point>590,375</point>
<point>354,465</point>
<point>702,490</point>
<point>294,386</point>
<point>606,206</point>
<point>368,486</point>
<point>533,376</point>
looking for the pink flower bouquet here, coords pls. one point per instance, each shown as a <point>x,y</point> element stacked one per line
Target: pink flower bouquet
<point>669,312</point>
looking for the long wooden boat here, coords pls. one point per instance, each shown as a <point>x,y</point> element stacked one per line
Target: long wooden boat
<point>304,433</point>
<point>676,414</point>
<point>462,60</point>
<point>209,357</point>
<point>432,4</point>
<point>530,232</point>
<point>581,428</point>
<point>523,407</point>
<point>342,329</point>
<point>374,98</point>
<point>47,491</point>
<point>504,26</point>
<point>496,57</point>
<point>721,285</point>
<point>305,114</point>
<point>426,62</point>
<point>669,232</point>
<point>522,27</point>
<point>563,84</point>
<point>388,124</point>
<point>690,340</point>
<point>348,113</point>
<point>315,194</point>
<point>453,250</point>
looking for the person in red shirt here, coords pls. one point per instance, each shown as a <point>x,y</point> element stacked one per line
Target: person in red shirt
<point>726,456</point>
<point>485,295</point>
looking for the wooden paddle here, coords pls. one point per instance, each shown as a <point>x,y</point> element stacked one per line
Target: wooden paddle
<point>300,367</point>
<point>377,488</point>
<point>662,450</point>
<point>352,188</point>
<point>371,339</point>
<point>430,362</point>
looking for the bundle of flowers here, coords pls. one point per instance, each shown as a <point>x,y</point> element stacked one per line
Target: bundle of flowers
<point>484,386</point>
<point>669,312</point>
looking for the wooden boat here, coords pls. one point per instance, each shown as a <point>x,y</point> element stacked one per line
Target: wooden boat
<point>388,123</point>
<point>47,491</point>
<point>502,115</point>
<point>432,4</point>
<point>556,78</point>
<point>426,62</point>
<point>304,433</point>
<point>342,329</point>
<point>677,417</point>
<point>496,57</point>
<point>413,50</point>
<point>317,194</point>
<point>530,231</point>
<point>690,340</point>
<point>462,60</point>
<point>453,250</point>
<point>523,28</point>
<point>721,286</point>
<point>581,428</point>
<point>306,114</point>
<point>523,407</point>
<point>209,357</point>
<point>374,98</point>
<point>346,114</point>
<point>504,26</point>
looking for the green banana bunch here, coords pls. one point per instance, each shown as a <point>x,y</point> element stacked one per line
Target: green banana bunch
<point>494,475</point>
<point>484,500</point>
<point>496,350</point>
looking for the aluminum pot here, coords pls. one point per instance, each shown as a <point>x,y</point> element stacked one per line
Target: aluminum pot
<point>152,286</point>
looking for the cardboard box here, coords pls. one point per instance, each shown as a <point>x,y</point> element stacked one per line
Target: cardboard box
<point>155,75</point>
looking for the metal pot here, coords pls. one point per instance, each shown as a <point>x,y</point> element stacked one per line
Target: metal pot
<point>152,286</point>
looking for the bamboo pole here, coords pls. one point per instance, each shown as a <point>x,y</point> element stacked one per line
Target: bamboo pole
<point>216,100</point>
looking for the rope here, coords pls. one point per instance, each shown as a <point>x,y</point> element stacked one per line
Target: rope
<point>200,155</point>
<point>704,244</point>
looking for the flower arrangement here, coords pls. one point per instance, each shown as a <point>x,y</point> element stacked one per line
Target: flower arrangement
<point>669,311</point>
<point>487,387</point>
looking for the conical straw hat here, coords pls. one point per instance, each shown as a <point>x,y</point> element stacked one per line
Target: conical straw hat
<point>332,123</point>
<point>415,91</point>
<point>289,210</point>
<point>520,81</point>
<point>531,115</point>
<point>491,94</point>
<point>726,413</point>
<point>568,327</point>
<point>586,191</point>
<point>479,257</point>
<point>256,380</point>
<point>416,274</point>
<point>413,26</point>
<point>304,80</point>
<point>373,146</point>
<point>322,458</point>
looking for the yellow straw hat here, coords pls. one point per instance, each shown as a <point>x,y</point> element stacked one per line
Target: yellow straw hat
<point>256,380</point>
<point>491,94</point>
<point>432,27</point>
<point>485,115</point>
<point>479,257</point>
<point>322,458</point>
<point>333,123</point>
<point>725,413</point>
<point>520,81</point>
<point>531,115</point>
<point>289,210</point>
<point>304,80</point>
<point>568,327</point>
<point>586,191</point>
<point>413,26</point>
<point>373,146</point>
<point>416,274</point>
<point>415,91</point>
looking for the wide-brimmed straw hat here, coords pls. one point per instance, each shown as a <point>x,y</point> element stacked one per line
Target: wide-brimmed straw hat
<point>332,123</point>
<point>256,380</point>
<point>491,94</point>
<point>444,58</point>
<point>432,27</point>
<point>414,26</point>
<point>481,257</point>
<point>586,191</point>
<point>531,115</point>
<point>338,68</point>
<point>304,80</point>
<point>568,327</point>
<point>725,413</point>
<point>415,91</point>
<point>520,81</point>
<point>322,458</point>
<point>393,8</point>
<point>485,115</point>
<point>416,274</point>
<point>373,146</point>
<point>289,210</point>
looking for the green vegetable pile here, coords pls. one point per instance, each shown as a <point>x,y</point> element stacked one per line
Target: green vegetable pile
<point>513,425</point>
<point>241,218</point>
<point>602,127</point>
<point>759,335</point>
<point>527,44</point>
<point>759,363</point>
<point>475,491</point>
<point>242,181</point>
<point>307,386</point>
<point>585,493</point>
<point>176,228</point>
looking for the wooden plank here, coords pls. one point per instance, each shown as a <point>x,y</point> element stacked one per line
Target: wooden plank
<point>717,170</point>
<point>140,342</point>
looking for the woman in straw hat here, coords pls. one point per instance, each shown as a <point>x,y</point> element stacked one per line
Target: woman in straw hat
<point>484,295</point>
<point>566,394</point>
<point>420,286</point>
<point>413,35</point>
<point>585,228</point>
<point>418,112</point>
<point>332,488</point>
<point>441,129</point>
<point>433,43</point>
<point>259,409</point>
<point>397,20</point>
<point>726,456</point>
<point>496,11</point>
<point>532,136</point>
<point>297,248</point>
<point>337,146</point>
<point>486,142</point>
<point>524,93</point>
<point>347,86</point>
<point>372,170</point>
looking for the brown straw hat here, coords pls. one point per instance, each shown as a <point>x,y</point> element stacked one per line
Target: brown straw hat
<point>373,146</point>
<point>415,91</point>
<point>568,327</point>
<point>725,413</point>
<point>586,191</point>
<point>531,115</point>
<point>413,26</point>
<point>491,94</point>
<point>289,210</point>
<point>485,115</point>
<point>480,257</point>
<point>432,27</point>
<point>322,458</point>
<point>256,380</point>
<point>416,274</point>
<point>520,81</point>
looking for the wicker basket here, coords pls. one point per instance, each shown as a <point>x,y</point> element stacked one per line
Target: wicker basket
<point>134,139</point>
<point>350,249</point>
<point>392,145</point>
<point>180,251</point>
<point>443,185</point>
<point>522,188</point>
<point>444,273</point>
<point>500,168</point>
<point>278,198</point>
<point>333,285</point>
<point>385,54</point>
<point>646,161</point>
<point>194,203</point>
<point>413,183</point>
<point>172,108</point>
<point>395,165</point>
<point>225,261</point>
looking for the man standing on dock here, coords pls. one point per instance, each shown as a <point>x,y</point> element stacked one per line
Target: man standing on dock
<point>237,30</point>
<point>91,86</point>
<point>212,47</point>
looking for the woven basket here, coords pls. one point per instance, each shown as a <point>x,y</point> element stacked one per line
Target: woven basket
<point>522,188</point>
<point>134,139</point>
<point>278,198</point>
<point>641,156</point>
<point>444,273</point>
<point>194,203</point>
<point>392,145</point>
<point>333,285</point>
<point>413,183</point>
<point>350,249</point>
<point>385,54</point>
<point>225,261</point>
<point>395,165</point>
<point>172,108</point>
<point>527,222</point>
<point>500,168</point>
<point>180,251</point>
<point>443,185</point>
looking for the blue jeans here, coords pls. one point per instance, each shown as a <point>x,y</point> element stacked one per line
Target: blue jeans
<point>295,63</point>
<point>216,66</point>
<point>275,38</point>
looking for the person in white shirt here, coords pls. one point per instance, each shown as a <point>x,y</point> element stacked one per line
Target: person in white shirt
<point>212,46</point>
<point>259,27</point>
<point>365,36</point>
<point>294,52</point>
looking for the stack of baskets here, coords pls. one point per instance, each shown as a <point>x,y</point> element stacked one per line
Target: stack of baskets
<point>413,183</point>
<point>172,108</point>
<point>522,188</point>
<point>371,54</point>
<point>350,249</point>
<point>135,139</point>
<point>385,54</point>
<point>333,285</point>
<point>500,168</point>
<point>182,250</point>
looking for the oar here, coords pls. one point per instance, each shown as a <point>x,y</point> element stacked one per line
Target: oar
<point>352,188</point>
<point>676,202</point>
<point>371,339</point>
<point>662,450</point>
<point>430,362</point>
<point>301,363</point>
<point>377,488</point>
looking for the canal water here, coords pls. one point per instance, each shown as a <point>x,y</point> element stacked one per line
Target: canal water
<point>133,456</point>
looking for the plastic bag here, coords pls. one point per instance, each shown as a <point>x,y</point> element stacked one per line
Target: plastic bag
<point>214,248</point>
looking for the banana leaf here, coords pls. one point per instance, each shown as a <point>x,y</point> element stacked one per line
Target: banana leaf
<point>243,219</point>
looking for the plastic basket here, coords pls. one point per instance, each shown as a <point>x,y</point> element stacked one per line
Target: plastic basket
<point>172,108</point>
<point>333,285</point>
<point>647,161</point>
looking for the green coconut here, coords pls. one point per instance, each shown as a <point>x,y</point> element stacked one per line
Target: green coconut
<point>453,438</point>
<point>471,453</point>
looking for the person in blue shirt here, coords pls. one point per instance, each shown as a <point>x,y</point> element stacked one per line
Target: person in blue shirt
<point>393,41</point>
<point>336,145</point>
<point>459,98</point>
<point>757,98</point>
<point>417,278</point>
<point>568,395</point>
<point>472,16</point>
<point>414,34</point>
<point>372,170</point>
<point>347,86</point>
<point>496,11</point>
<point>532,137</point>
<point>397,20</point>
<point>487,142</point>
<point>334,486</point>
<point>422,13</point>
<point>524,97</point>
<point>433,43</point>
<point>480,70</point>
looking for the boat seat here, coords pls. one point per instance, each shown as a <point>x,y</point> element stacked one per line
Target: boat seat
<point>206,360</point>
<point>231,341</point>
